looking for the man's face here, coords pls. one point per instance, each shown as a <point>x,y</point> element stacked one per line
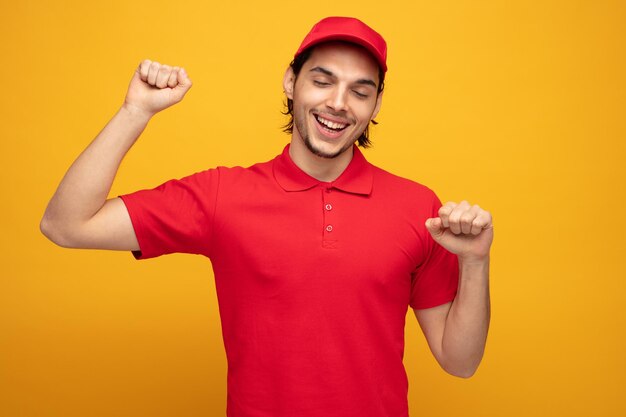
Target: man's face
<point>334,97</point>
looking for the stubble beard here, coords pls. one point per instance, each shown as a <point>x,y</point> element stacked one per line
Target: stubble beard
<point>304,134</point>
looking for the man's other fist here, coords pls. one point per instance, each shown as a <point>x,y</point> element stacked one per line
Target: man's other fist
<point>462,229</point>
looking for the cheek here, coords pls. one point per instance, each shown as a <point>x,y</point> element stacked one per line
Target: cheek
<point>366,111</point>
<point>363,114</point>
<point>309,97</point>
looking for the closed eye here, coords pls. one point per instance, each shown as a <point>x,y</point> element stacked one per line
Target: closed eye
<point>320,83</point>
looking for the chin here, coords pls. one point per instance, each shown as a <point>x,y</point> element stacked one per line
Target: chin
<point>322,153</point>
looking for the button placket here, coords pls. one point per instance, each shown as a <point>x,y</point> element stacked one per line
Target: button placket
<point>327,208</point>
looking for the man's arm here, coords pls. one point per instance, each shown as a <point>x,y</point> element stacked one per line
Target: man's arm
<point>79,215</point>
<point>457,332</point>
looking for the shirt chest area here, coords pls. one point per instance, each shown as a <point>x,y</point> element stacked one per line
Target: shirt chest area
<point>319,232</point>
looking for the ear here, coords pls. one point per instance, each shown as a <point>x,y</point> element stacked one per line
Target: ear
<point>379,102</point>
<point>289,81</point>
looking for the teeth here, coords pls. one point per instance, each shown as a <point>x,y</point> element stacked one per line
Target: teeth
<point>330,124</point>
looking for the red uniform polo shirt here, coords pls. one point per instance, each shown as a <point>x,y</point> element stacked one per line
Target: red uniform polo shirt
<point>313,279</point>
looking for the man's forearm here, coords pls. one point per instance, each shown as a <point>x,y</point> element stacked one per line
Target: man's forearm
<point>87,183</point>
<point>467,323</point>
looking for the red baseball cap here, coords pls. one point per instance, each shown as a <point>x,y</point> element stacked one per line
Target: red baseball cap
<point>347,29</point>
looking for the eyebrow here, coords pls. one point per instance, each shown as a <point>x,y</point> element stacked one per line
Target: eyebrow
<point>362,81</point>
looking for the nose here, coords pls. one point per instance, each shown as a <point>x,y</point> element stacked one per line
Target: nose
<point>337,100</point>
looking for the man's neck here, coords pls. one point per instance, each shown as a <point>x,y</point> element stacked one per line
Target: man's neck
<point>322,169</point>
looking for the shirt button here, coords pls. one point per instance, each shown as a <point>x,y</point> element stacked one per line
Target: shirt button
<point>328,207</point>
<point>329,228</point>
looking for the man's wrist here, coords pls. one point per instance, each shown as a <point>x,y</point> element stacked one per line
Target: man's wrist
<point>474,266</point>
<point>136,112</point>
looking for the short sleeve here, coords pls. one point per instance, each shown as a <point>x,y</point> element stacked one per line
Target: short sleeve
<point>176,216</point>
<point>436,279</point>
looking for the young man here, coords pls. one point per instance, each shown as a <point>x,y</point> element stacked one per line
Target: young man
<point>317,254</point>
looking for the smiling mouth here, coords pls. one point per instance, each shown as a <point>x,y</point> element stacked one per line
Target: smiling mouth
<point>330,126</point>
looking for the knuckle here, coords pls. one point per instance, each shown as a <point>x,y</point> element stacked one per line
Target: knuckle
<point>466,218</point>
<point>479,223</point>
<point>446,209</point>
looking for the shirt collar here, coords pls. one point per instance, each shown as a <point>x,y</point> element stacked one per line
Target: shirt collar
<point>357,178</point>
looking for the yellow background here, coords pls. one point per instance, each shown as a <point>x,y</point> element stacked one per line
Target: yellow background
<point>518,106</point>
